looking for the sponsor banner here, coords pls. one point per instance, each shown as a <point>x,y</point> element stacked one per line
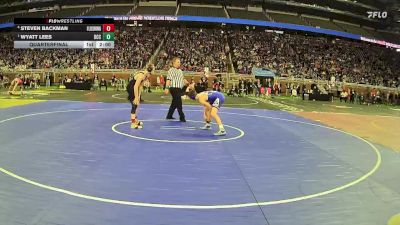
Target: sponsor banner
<point>380,42</point>
<point>260,72</point>
<point>144,17</point>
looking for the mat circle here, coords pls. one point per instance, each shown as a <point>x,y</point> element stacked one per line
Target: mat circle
<point>241,134</point>
<point>187,206</point>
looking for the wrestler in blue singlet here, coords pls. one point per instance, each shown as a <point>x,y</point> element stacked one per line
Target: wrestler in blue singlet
<point>215,98</point>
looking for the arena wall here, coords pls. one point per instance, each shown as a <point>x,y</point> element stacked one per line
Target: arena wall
<point>228,79</point>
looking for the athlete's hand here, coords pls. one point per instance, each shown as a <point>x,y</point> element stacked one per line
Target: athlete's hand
<point>136,101</point>
<point>166,91</point>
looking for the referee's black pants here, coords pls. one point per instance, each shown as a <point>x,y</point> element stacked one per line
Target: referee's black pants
<point>176,103</point>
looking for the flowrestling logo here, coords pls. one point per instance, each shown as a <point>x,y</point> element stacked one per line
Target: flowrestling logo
<point>377,14</point>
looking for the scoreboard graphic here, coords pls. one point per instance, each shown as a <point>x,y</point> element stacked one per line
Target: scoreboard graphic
<point>53,33</point>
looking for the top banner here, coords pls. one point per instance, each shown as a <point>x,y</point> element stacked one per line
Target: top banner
<point>225,21</point>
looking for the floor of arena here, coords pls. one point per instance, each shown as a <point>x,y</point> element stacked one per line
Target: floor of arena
<point>75,162</point>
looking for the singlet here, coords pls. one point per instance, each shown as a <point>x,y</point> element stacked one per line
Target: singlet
<point>215,98</point>
<point>130,88</point>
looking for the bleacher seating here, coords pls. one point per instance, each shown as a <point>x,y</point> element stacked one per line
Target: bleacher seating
<point>201,11</point>
<point>40,14</point>
<point>9,18</point>
<point>354,29</point>
<point>243,14</point>
<point>326,24</point>
<point>286,18</point>
<point>154,10</point>
<point>374,34</point>
<point>391,37</point>
<point>4,19</point>
<point>69,12</point>
<point>109,10</point>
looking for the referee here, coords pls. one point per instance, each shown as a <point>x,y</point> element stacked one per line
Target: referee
<point>175,83</point>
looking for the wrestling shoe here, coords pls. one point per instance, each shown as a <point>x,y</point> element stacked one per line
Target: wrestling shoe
<point>220,133</point>
<point>206,127</point>
<point>138,125</point>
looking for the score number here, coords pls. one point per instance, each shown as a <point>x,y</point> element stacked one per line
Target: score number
<point>108,36</point>
<point>108,32</point>
<point>108,28</point>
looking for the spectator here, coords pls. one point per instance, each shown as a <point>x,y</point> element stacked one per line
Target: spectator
<point>121,85</point>
<point>114,81</point>
<point>343,96</point>
<point>103,83</point>
<point>96,82</point>
<point>158,82</point>
<point>47,78</point>
<point>217,85</point>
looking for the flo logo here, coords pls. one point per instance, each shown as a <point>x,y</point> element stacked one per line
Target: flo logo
<point>377,14</point>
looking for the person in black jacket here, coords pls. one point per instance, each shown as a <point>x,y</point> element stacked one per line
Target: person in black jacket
<point>204,82</point>
<point>103,83</point>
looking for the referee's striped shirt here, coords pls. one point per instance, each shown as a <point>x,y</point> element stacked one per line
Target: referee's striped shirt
<point>176,77</point>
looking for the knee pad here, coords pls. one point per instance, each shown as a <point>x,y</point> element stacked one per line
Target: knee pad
<point>133,110</point>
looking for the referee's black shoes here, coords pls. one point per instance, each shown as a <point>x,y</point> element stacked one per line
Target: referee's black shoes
<point>182,120</point>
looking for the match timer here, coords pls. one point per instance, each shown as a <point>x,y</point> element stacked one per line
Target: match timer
<point>52,33</point>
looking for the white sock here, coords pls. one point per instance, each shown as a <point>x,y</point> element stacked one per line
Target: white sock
<point>221,127</point>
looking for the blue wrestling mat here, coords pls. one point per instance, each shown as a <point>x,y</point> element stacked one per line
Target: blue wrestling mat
<point>77,163</point>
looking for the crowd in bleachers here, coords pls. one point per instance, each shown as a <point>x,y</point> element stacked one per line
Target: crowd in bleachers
<point>312,57</point>
<point>133,48</point>
<point>299,56</point>
<point>196,48</point>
